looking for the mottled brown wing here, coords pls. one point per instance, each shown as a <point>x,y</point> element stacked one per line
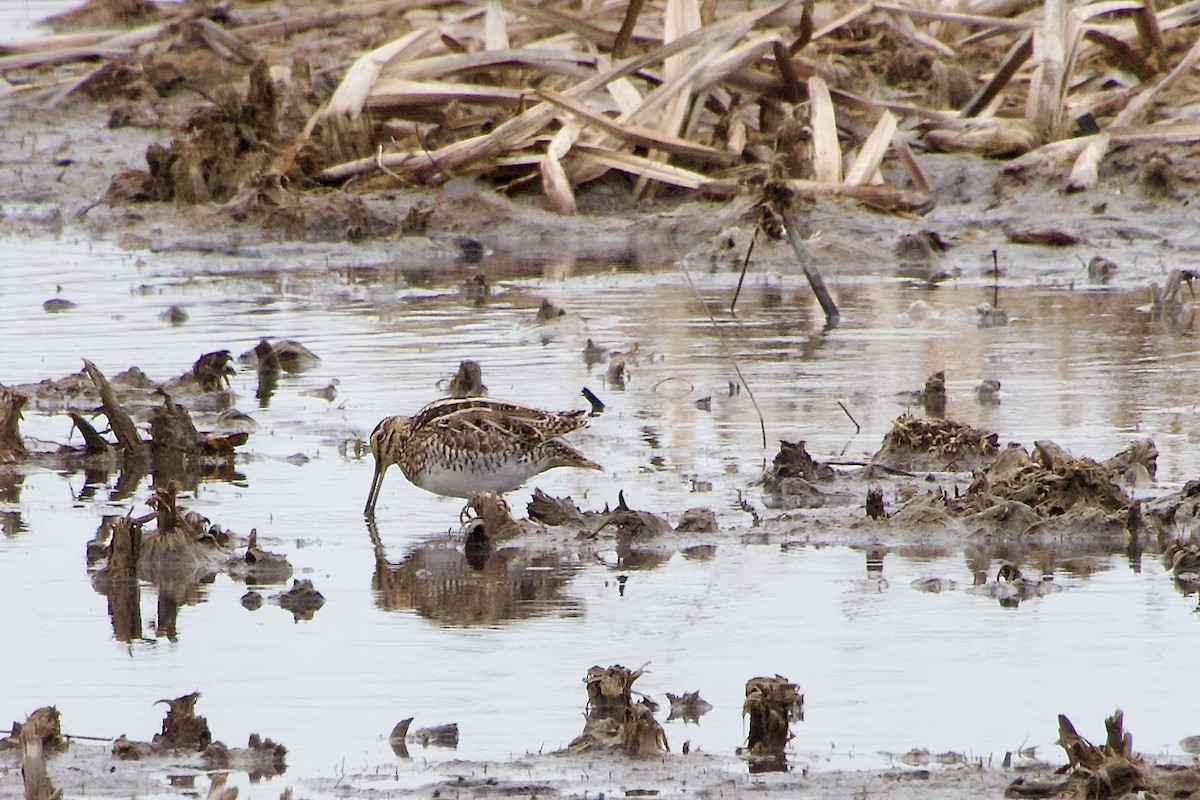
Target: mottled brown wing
<point>469,415</point>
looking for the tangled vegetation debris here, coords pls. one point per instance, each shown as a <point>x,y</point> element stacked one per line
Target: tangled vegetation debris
<point>1110,770</point>
<point>772,704</point>
<point>939,445</point>
<point>184,732</point>
<point>614,720</point>
<point>682,94</point>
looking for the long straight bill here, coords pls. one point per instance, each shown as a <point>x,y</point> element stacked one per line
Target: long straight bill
<point>376,483</point>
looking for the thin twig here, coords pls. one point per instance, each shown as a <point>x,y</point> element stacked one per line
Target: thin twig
<point>857,427</point>
<point>627,26</point>
<point>728,353</point>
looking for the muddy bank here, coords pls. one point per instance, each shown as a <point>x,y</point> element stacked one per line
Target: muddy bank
<point>1138,232</point>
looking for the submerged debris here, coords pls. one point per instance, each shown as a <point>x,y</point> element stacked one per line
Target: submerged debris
<point>1100,271</point>
<point>213,370</point>
<point>553,511</point>
<point>303,600</point>
<point>12,447</point>
<point>987,393</point>
<point>1011,586</point>
<point>181,728</point>
<point>1047,490</point>
<point>492,518</point>
<point>631,524</point>
<point>689,706</point>
<point>1108,771</point>
<point>875,506</point>
<point>260,758</point>
<point>182,551</point>
<point>287,355</point>
<point>436,736</point>
<point>697,520</point>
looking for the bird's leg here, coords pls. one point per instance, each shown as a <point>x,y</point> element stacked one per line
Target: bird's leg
<point>468,512</point>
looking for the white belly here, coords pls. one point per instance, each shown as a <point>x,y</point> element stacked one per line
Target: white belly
<point>465,481</point>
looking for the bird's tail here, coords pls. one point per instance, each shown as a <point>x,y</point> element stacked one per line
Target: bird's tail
<point>564,455</point>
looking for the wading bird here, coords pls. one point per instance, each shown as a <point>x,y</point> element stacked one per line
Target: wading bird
<point>458,447</point>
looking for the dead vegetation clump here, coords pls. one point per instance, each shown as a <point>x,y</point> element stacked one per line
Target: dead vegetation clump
<point>130,403</point>
<point>1174,520</point>
<point>183,550</point>
<point>772,704</point>
<point>226,145</point>
<point>791,480</point>
<point>938,445</point>
<point>1108,771</point>
<point>833,99</point>
<point>184,732</point>
<point>1051,482</point>
<point>39,735</point>
<point>12,447</point>
<point>1016,492</point>
<point>183,541</point>
<point>614,721</point>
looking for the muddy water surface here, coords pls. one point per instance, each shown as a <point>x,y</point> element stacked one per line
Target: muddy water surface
<point>885,668</point>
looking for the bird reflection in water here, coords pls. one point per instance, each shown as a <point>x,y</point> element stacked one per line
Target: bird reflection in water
<point>468,580</point>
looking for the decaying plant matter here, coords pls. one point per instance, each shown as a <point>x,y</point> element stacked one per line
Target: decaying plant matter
<point>184,732</point>
<point>791,481</point>
<point>12,448</point>
<point>41,733</point>
<point>683,93</point>
<point>936,444</point>
<point>772,704</point>
<point>614,720</point>
<point>1110,770</point>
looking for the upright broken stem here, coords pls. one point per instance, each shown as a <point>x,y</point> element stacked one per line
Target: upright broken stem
<point>33,763</point>
<point>1044,109</point>
<point>11,404</point>
<point>792,225</point>
<point>120,422</point>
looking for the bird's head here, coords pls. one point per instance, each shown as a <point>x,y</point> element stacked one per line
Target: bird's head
<point>386,442</point>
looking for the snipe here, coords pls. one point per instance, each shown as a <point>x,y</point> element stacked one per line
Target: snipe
<point>458,447</point>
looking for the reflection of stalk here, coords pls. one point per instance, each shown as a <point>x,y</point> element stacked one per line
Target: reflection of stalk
<point>728,353</point>
<point>995,281</point>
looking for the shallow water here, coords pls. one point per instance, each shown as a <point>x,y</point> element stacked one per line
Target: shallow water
<point>883,671</point>
<point>20,19</point>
